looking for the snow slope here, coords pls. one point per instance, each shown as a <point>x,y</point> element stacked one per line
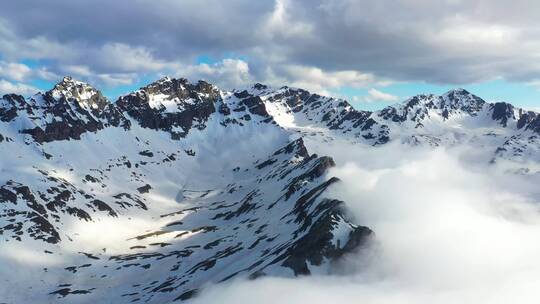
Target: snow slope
<point>178,184</point>
<point>142,203</point>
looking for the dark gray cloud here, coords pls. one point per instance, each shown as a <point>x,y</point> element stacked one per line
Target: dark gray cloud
<point>304,42</point>
<point>436,41</point>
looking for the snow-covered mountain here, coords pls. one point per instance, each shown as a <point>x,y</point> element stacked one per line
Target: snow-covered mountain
<point>179,184</point>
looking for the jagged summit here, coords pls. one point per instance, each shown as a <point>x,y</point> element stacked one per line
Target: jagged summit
<point>425,106</point>
<point>70,109</point>
<point>240,192</point>
<point>71,90</point>
<point>178,106</point>
<point>172,94</point>
<point>461,98</point>
<point>170,104</point>
<point>461,91</point>
<point>455,99</point>
<point>260,86</point>
<point>171,85</point>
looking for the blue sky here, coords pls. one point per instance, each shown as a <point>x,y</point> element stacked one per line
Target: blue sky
<point>519,93</point>
<point>373,53</point>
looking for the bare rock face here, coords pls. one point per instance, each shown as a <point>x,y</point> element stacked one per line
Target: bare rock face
<point>317,245</point>
<point>502,112</point>
<point>35,210</point>
<point>238,195</point>
<point>83,94</point>
<point>172,105</point>
<point>69,110</point>
<point>420,107</point>
<point>10,104</point>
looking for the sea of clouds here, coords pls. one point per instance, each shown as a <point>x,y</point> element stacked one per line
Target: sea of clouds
<point>450,227</point>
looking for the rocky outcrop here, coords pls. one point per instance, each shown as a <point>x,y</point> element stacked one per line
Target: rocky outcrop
<point>255,227</point>
<point>502,112</point>
<point>420,107</point>
<point>40,214</point>
<point>69,110</point>
<point>172,105</point>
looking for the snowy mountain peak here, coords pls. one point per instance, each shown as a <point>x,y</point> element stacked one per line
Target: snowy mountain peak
<point>171,104</point>
<point>68,79</point>
<point>462,99</point>
<point>71,108</point>
<point>459,91</point>
<point>456,99</point>
<point>421,107</point>
<point>239,193</point>
<point>165,79</point>
<point>84,94</point>
<point>171,94</point>
<point>259,86</point>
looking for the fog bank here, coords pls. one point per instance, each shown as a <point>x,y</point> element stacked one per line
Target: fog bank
<point>450,228</point>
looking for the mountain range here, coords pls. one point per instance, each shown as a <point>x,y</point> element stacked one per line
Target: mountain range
<point>178,185</point>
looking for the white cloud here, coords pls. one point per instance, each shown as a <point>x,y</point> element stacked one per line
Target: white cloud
<point>534,83</point>
<point>7,87</point>
<point>281,24</point>
<point>46,74</point>
<point>447,231</point>
<point>107,79</point>
<point>39,47</point>
<point>116,79</point>
<point>475,34</point>
<point>320,45</point>
<point>14,71</point>
<point>78,70</point>
<point>124,58</point>
<point>451,41</point>
<point>228,73</point>
<point>318,80</point>
<point>375,95</point>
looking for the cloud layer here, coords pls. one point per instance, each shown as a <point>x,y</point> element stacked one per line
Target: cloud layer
<point>318,44</point>
<point>447,231</point>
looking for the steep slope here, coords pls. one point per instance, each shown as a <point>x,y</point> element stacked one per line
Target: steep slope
<point>119,212</point>
<point>177,106</point>
<point>301,111</point>
<point>181,184</point>
<point>70,109</point>
<point>457,117</point>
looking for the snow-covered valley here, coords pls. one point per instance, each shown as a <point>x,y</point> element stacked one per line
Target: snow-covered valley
<point>179,186</point>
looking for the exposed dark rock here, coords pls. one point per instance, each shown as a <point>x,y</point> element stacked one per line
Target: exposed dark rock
<point>320,167</point>
<point>144,189</point>
<point>187,295</point>
<point>296,146</point>
<point>146,153</point>
<point>502,112</point>
<point>102,206</point>
<point>525,118</point>
<point>195,105</point>
<point>72,108</point>
<point>67,291</point>
<point>255,106</point>
<point>316,245</point>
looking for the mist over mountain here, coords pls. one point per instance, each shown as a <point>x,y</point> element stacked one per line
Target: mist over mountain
<point>183,191</point>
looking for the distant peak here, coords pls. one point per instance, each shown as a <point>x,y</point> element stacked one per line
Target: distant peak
<point>164,79</point>
<point>463,100</point>
<point>458,91</point>
<point>462,95</point>
<point>166,82</point>
<point>68,82</point>
<point>260,86</point>
<point>170,85</point>
<point>82,92</point>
